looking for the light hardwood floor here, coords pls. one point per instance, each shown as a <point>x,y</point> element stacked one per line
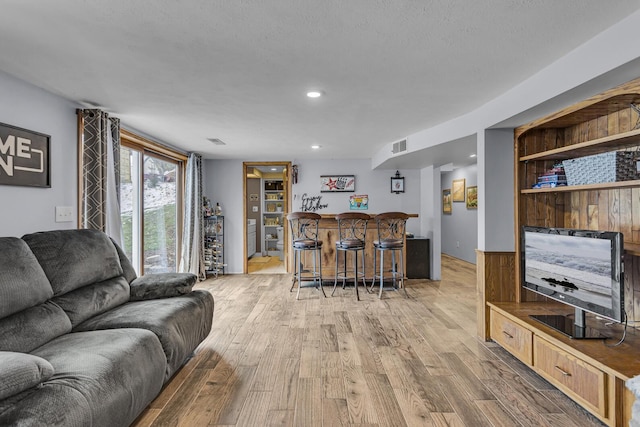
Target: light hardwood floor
<point>272,360</point>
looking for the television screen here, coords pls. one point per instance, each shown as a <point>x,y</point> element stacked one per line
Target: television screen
<point>578,267</point>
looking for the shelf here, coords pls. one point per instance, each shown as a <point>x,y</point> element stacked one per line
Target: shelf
<point>569,188</point>
<point>595,146</point>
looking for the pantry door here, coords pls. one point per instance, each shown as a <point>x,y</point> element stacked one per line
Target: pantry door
<point>150,209</point>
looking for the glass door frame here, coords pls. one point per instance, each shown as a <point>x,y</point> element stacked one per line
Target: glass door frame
<point>147,147</point>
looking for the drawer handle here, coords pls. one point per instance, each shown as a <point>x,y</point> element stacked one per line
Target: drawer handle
<point>563,372</point>
<point>507,334</point>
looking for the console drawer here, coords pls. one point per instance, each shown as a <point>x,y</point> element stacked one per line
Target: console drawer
<point>578,379</point>
<point>513,337</point>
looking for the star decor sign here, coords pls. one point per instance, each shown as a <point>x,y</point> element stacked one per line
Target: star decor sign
<point>24,157</point>
<point>337,183</point>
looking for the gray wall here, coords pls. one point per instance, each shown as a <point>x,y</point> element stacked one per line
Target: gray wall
<point>460,228</point>
<point>223,184</point>
<point>25,209</point>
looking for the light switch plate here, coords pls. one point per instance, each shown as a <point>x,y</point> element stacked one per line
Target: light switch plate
<point>64,213</point>
<point>255,209</point>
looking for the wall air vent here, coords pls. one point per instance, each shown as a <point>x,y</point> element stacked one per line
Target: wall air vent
<point>399,147</point>
<point>216,141</point>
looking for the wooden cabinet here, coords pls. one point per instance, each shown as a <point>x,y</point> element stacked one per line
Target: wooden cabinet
<point>577,378</point>
<point>588,371</point>
<point>513,337</point>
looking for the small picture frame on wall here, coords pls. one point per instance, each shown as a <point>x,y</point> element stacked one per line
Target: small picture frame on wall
<point>472,197</point>
<point>337,183</point>
<point>446,201</point>
<point>457,188</point>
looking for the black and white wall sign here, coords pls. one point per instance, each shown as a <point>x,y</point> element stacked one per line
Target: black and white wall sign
<point>24,157</point>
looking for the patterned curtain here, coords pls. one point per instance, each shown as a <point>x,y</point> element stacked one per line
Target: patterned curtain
<point>95,129</point>
<point>192,260</point>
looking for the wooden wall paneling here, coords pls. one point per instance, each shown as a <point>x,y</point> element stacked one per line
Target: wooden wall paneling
<point>624,120</point>
<point>603,209</point>
<point>626,214</point>
<point>613,123</point>
<point>614,209</point>
<point>495,277</point>
<point>635,215</point>
<point>603,127</point>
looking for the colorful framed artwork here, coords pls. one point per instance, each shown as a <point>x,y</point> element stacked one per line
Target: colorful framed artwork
<point>472,197</point>
<point>337,183</point>
<point>359,202</point>
<point>446,201</point>
<point>457,189</point>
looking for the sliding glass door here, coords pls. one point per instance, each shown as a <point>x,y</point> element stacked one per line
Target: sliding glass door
<point>150,206</point>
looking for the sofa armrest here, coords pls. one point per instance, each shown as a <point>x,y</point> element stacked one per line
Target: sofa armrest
<point>163,285</point>
<point>21,371</point>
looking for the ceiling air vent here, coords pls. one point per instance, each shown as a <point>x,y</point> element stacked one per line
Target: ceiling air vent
<point>399,147</point>
<point>216,141</point>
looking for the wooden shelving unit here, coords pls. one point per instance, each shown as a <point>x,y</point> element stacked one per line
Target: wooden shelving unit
<point>606,122</point>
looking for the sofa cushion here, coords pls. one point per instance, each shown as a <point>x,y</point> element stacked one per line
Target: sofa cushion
<point>72,259</point>
<point>33,327</point>
<point>91,300</point>
<point>23,283</point>
<point>118,372</point>
<point>164,285</point>
<point>51,405</point>
<point>180,323</point>
<point>21,371</point>
<point>127,269</point>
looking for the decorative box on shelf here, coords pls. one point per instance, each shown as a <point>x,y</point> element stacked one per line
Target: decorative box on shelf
<point>613,166</point>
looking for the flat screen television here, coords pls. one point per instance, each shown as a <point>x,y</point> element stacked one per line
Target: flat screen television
<point>581,268</point>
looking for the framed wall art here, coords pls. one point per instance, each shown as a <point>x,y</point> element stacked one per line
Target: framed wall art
<point>359,202</point>
<point>457,189</point>
<point>24,157</point>
<point>337,183</point>
<point>446,201</point>
<point>472,197</point>
<point>397,183</point>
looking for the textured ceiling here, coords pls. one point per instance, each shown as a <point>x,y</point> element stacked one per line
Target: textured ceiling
<point>238,70</point>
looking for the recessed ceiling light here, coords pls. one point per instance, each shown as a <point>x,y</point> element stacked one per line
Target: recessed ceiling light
<point>472,155</point>
<point>314,94</point>
<point>274,169</point>
<point>315,147</point>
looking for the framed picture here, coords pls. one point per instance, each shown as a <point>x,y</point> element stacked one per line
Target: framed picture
<point>337,183</point>
<point>24,157</point>
<point>457,188</point>
<point>472,197</point>
<point>397,184</point>
<point>359,202</point>
<point>446,201</point>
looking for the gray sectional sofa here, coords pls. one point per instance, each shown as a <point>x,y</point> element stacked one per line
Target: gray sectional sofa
<point>83,341</point>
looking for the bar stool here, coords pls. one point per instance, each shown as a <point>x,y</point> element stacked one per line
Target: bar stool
<point>352,232</point>
<point>391,230</point>
<point>304,237</point>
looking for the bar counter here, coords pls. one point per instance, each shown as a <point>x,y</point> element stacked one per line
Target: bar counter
<point>328,234</point>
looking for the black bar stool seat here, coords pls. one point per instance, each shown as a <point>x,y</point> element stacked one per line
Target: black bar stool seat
<point>304,238</point>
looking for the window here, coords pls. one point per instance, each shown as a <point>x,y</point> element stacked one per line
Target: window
<point>151,187</point>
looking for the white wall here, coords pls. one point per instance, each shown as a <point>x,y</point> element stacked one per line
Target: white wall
<point>460,228</point>
<point>26,209</point>
<point>375,183</point>
<point>430,216</point>
<point>223,184</point>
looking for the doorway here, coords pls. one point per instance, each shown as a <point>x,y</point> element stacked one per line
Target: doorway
<point>266,190</point>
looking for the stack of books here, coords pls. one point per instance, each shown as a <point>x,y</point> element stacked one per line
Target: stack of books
<point>554,177</point>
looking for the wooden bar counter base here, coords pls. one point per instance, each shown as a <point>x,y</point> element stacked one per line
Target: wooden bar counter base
<point>328,233</point>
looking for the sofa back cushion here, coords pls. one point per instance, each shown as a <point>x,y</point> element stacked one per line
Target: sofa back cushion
<point>91,300</point>
<point>33,327</point>
<point>23,283</point>
<point>72,259</point>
